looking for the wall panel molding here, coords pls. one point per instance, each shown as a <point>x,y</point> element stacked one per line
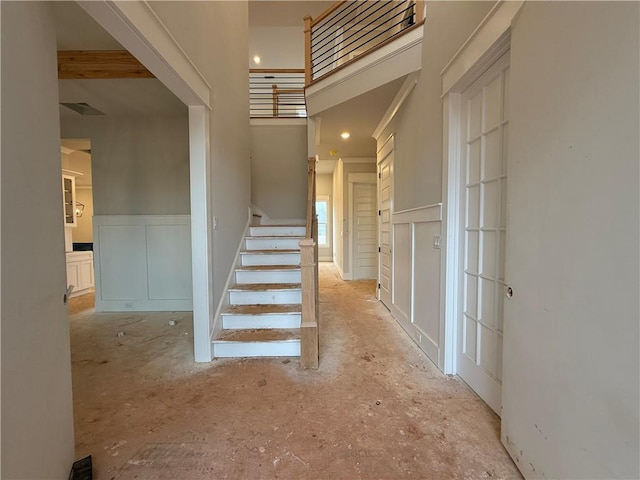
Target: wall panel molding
<point>142,262</point>
<point>416,271</point>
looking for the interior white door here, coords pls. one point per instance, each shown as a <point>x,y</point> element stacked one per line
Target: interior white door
<point>484,181</point>
<point>365,245</point>
<point>385,197</point>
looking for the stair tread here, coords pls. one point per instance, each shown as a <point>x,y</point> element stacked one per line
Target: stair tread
<point>268,252</point>
<point>274,237</point>
<point>258,335</point>
<point>259,268</point>
<point>262,309</point>
<point>259,287</point>
<point>280,226</point>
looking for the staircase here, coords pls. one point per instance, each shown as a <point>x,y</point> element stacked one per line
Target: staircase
<point>264,312</point>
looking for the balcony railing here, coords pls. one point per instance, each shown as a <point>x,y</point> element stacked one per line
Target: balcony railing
<point>349,29</point>
<point>277,93</point>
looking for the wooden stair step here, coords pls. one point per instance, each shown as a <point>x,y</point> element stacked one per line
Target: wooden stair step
<point>268,252</point>
<point>262,309</point>
<point>259,268</point>
<point>260,287</point>
<point>258,335</point>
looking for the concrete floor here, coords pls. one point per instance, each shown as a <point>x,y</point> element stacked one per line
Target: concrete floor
<point>376,408</point>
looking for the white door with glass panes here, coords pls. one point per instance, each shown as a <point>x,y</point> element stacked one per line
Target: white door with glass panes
<point>484,132</point>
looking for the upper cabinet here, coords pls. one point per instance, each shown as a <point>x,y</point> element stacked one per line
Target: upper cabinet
<point>69,199</point>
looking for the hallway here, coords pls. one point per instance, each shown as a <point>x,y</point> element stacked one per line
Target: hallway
<point>376,408</point>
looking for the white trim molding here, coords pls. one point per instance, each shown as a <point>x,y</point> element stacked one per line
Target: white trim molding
<point>488,42</point>
<point>416,267</point>
<point>483,47</point>
<point>142,263</point>
<point>277,122</point>
<point>397,102</point>
<point>137,27</point>
<point>358,160</point>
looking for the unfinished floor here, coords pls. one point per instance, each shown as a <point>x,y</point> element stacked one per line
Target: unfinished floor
<point>376,409</point>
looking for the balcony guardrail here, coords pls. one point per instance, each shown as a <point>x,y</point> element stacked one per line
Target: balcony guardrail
<point>277,93</point>
<point>349,29</point>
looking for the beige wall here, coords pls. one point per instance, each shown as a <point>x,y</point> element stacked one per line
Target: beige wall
<point>418,124</point>
<point>215,37</point>
<point>571,372</point>
<point>140,165</point>
<point>279,170</point>
<point>278,47</point>
<point>37,415</point>
<point>84,230</point>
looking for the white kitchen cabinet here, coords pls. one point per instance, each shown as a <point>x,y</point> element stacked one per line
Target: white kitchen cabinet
<point>80,272</point>
<point>69,200</point>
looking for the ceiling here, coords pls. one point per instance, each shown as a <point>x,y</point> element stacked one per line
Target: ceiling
<point>76,30</point>
<point>284,13</point>
<point>360,117</point>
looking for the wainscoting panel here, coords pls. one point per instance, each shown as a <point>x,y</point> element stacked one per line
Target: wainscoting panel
<point>402,270</point>
<point>142,263</point>
<point>123,262</point>
<point>416,275</point>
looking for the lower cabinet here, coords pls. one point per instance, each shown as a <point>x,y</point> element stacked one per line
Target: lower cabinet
<point>80,272</point>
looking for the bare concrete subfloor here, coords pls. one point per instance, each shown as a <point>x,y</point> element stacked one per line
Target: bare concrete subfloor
<point>376,409</point>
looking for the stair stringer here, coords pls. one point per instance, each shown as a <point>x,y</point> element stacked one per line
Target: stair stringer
<point>224,298</point>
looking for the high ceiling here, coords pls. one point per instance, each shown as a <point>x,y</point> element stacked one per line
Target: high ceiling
<point>78,31</point>
<point>284,13</point>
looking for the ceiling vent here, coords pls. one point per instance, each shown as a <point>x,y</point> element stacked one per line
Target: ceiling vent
<point>83,108</point>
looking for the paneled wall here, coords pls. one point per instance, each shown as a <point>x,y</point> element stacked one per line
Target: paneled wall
<point>142,262</point>
<point>416,275</point>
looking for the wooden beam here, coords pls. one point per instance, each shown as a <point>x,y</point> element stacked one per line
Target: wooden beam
<point>99,64</point>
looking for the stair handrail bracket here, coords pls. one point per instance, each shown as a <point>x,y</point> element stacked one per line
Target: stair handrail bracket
<point>309,330</point>
<point>353,28</point>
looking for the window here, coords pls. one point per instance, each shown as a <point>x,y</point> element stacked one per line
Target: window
<point>322,211</point>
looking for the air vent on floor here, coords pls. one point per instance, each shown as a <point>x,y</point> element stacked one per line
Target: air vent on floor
<point>82,108</point>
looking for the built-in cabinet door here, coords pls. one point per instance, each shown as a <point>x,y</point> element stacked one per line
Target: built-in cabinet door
<point>385,199</point>
<point>73,275</point>
<point>86,274</point>
<point>484,129</point>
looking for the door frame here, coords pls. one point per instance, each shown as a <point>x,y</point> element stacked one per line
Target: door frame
<point>387,148</point>
<point>483,48</point>
<point>353,178</point>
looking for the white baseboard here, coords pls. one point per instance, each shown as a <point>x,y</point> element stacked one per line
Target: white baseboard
<point>224,299</point>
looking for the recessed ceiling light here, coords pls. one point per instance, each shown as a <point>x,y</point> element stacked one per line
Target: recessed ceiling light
<point>345,135</point>
<point>256,59</point>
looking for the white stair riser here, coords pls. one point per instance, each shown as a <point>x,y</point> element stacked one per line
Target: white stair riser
<point>277,231</point>
<point>279,297</point>
<point>281,243</point>
<point>254,259</point>
<point>268,276</point>
<point>271,320</point>
<point>285,348</point>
